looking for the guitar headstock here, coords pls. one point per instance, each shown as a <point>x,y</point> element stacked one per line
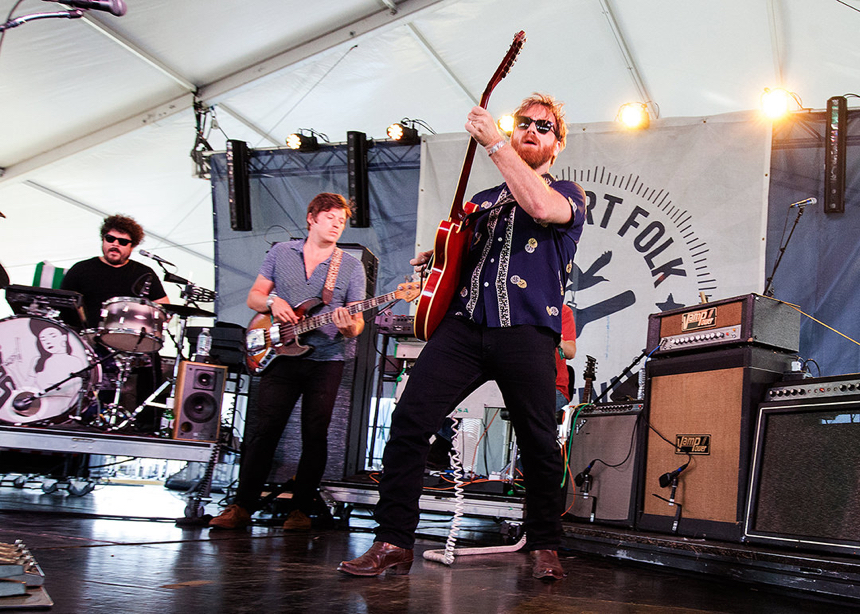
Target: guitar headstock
<point>590,371</point>
<point>408,291</point>
<point>505,66</point>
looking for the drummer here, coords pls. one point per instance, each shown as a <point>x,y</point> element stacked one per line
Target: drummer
<point>111,275</point>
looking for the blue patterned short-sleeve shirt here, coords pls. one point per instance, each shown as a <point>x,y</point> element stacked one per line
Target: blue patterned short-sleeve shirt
<point>516,268</point>
<point>285,266</point>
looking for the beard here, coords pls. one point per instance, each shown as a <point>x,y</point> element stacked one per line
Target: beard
<point>535,158</point>
<point>114,257</point>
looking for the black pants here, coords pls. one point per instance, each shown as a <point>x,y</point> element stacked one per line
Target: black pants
<point>460,354</point>
<point>280,387</point>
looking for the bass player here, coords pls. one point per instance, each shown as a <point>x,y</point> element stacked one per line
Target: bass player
<point>292,273</point>
<point>503,323</point>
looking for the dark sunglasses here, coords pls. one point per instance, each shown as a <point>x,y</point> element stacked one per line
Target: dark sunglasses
<point>110,239</point>
<point>541,125</point>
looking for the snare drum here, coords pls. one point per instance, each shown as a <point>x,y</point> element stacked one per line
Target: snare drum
<point>131,324</point>
<point>35,354</point>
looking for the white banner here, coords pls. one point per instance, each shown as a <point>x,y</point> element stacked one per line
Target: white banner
<point>676,210</point>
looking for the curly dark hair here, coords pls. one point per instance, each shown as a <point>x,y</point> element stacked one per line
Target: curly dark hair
<point>327,201</point>
<point>125,224</point>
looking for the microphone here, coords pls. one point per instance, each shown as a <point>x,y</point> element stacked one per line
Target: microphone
<point>667,478</point>
<point>143,252</point>
<point>23,402</point>
<point>114,7</point>
<point>581,476</point>
<point>803,203</point>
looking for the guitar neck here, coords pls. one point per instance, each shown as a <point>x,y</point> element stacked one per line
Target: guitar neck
<point>587,391</point>
<point>327,318</point>
<point>457,212</point>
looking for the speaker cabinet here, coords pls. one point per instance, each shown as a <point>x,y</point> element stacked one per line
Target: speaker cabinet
<point>197,402</point>
<point>347,434</point>
<point>238,185</point>
<point>609,438</point>
<point>805,476</point>
<point>703,404</point>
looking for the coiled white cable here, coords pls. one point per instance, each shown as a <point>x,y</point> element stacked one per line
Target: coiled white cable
<point>447,555</point>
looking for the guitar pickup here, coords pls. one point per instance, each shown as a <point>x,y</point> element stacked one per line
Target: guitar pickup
<point>255,340</point>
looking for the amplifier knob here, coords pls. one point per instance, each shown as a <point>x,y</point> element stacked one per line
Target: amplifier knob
<point>843,387</point>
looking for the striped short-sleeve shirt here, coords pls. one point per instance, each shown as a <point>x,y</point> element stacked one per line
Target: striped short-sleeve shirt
<point>285,266</point>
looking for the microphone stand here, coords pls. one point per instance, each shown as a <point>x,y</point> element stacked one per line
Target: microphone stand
<point>17,21</point>
<point>768,288</point>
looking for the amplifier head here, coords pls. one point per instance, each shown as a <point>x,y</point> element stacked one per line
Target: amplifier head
<point>749,319</point>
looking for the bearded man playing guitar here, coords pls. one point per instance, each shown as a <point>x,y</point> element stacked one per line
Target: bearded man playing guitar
<point>503,323</point>
<point>294,273</point>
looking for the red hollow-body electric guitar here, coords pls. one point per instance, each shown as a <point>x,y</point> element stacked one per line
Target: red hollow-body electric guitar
<point>455,233</point>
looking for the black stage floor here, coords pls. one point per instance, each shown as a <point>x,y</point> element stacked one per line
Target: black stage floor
<point>117,550</point>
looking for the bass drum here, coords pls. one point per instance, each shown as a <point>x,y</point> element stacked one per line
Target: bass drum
<point>35,354</point>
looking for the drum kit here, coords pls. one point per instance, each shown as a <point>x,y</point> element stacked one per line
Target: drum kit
<point>52,370</point>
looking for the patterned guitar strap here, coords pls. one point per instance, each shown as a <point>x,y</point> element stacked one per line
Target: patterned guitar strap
<point>331,278</point>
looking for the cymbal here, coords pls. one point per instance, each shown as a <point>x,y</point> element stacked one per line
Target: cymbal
<point>186,311</point>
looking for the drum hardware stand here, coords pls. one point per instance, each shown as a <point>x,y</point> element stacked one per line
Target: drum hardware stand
<point>191,293</point>
<point>114,409</point>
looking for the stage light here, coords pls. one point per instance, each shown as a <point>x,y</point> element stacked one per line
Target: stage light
<point>506,124</point>
<point>776,102</point>
<point>402,133</point>
<point>634,115</point>
<point>303,142</point>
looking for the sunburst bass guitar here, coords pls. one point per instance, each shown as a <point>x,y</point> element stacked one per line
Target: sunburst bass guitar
<point>265,340</point>
<point>455,233</point>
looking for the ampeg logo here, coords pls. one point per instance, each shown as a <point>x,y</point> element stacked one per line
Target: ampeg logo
<point>697,320</point>
<point>693,444</point>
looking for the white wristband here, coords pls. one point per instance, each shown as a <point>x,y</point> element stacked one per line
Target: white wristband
<point>496,147</point>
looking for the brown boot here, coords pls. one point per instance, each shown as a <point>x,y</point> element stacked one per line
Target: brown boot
<point>297,521</point>
<point>379,558</point>
<point>233,517</point>
<point>546,565</point>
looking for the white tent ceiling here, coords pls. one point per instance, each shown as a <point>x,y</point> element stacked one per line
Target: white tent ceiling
<point>96,113</point>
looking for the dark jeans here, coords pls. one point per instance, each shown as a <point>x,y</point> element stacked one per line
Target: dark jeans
<point>460,354</point>
<point>280,387</point>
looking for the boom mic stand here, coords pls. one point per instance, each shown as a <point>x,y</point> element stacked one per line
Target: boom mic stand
<point>768,288</point>
<point>17,21</point>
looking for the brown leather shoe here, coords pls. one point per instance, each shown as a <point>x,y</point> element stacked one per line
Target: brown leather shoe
<point>547,566</point>
<point>233,517</point>
<point>297,521</point>
<point>379,558</point>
